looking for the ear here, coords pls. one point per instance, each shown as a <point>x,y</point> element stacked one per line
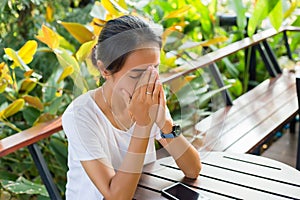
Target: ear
<point>104,72</point>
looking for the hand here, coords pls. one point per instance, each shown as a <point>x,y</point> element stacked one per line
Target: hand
<point>164,123</point>
<point>143,105</point>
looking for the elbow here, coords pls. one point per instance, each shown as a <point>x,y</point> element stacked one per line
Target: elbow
<point>194,172</point>
<point>119,193</point>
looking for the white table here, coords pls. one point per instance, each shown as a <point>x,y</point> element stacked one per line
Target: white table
<point>225,176</point>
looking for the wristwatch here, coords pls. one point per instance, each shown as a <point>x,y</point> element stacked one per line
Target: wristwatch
<point>176,131</point>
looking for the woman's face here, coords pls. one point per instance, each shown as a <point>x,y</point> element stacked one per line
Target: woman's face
<point>136,63</point>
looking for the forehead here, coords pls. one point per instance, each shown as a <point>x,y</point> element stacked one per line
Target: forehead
<point>142,58</point>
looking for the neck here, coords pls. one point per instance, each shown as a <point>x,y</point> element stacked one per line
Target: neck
<point>116,107</point>
<point>113,100</point>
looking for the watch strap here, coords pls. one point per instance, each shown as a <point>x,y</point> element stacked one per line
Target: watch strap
<point>176,131</point>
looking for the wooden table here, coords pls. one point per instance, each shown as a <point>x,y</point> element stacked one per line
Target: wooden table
<point>225,176</point>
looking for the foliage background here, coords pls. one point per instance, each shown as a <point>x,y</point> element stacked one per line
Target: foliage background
<point>37,82</point>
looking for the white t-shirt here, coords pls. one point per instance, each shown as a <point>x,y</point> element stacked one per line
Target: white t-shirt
<point>91,136</point>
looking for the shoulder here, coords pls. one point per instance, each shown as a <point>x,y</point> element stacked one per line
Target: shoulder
<point>82,102</point>
<point>82,109</point>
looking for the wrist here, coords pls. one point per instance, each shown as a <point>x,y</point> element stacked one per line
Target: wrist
<point>168,126</point>
<point>141,131</point>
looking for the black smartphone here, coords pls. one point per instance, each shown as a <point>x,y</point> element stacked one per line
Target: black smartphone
<point>179,191</point>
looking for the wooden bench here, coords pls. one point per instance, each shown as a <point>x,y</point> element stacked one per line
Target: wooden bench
<point>241,126</point>
<point>245,124</point>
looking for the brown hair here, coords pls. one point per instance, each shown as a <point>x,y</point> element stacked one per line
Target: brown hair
<point>120,37</point>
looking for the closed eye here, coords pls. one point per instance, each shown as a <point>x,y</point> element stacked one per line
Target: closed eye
<point>136,76</point>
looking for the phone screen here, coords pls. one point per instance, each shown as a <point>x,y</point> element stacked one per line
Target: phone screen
<point>179,191</point>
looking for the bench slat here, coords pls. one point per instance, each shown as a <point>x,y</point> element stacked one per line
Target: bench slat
<point>236,125</point>
<point>246,104</point>
<point>227,138</point>
<point>249,141</point>
<point>29,136</point>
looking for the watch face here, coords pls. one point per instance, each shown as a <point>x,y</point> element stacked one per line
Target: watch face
<point>176,130</point>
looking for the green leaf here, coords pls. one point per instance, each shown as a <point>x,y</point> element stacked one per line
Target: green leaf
<point>230,67</point>
<point>205,20</point>
<point>23,186</point>
<point>276,15</point>
<point>52,86</point>
<point>30,114</point>
<point>240,10</point>
<point>260,12</point>
<point>7,175</point>
<point>54,106</point>
<point>60,151</point>
<point>237,88</point>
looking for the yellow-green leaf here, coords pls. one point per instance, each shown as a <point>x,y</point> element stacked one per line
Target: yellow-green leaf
<point>66,72</point>
<point>179,12</point>
<point>34,101</point>
<point>109,7</point>
<point>28,73</point>
<point>12,56</point>
<point>123,4</point>
<point>27,85</point>
<point>179,83</point>
<point>85,50</point>
<point>27,51</point>
<point>97,25</point>
<point>49,37</point>
<point>63,43</point>
<point>276,15</point>
<point>291,9</point>
<point>3,85</point>
<point>49,13</point>
<point>44,118</point>
<point>78,31</point>
<point>5,77</point>
<point>204,43</point>
<point>12,108</point>
<point>91,68</point>
<point>66,60</point>
<point>121,10</point>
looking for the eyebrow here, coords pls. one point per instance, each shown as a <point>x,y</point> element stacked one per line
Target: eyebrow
<point>141,70</point>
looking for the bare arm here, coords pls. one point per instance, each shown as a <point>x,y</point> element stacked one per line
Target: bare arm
<point>121,184</point>
<point>186,156</point>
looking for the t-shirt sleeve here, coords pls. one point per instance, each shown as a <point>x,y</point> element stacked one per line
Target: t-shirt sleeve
<point>83,140</point>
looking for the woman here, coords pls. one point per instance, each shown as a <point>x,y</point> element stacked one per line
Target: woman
<point>111,129</point>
